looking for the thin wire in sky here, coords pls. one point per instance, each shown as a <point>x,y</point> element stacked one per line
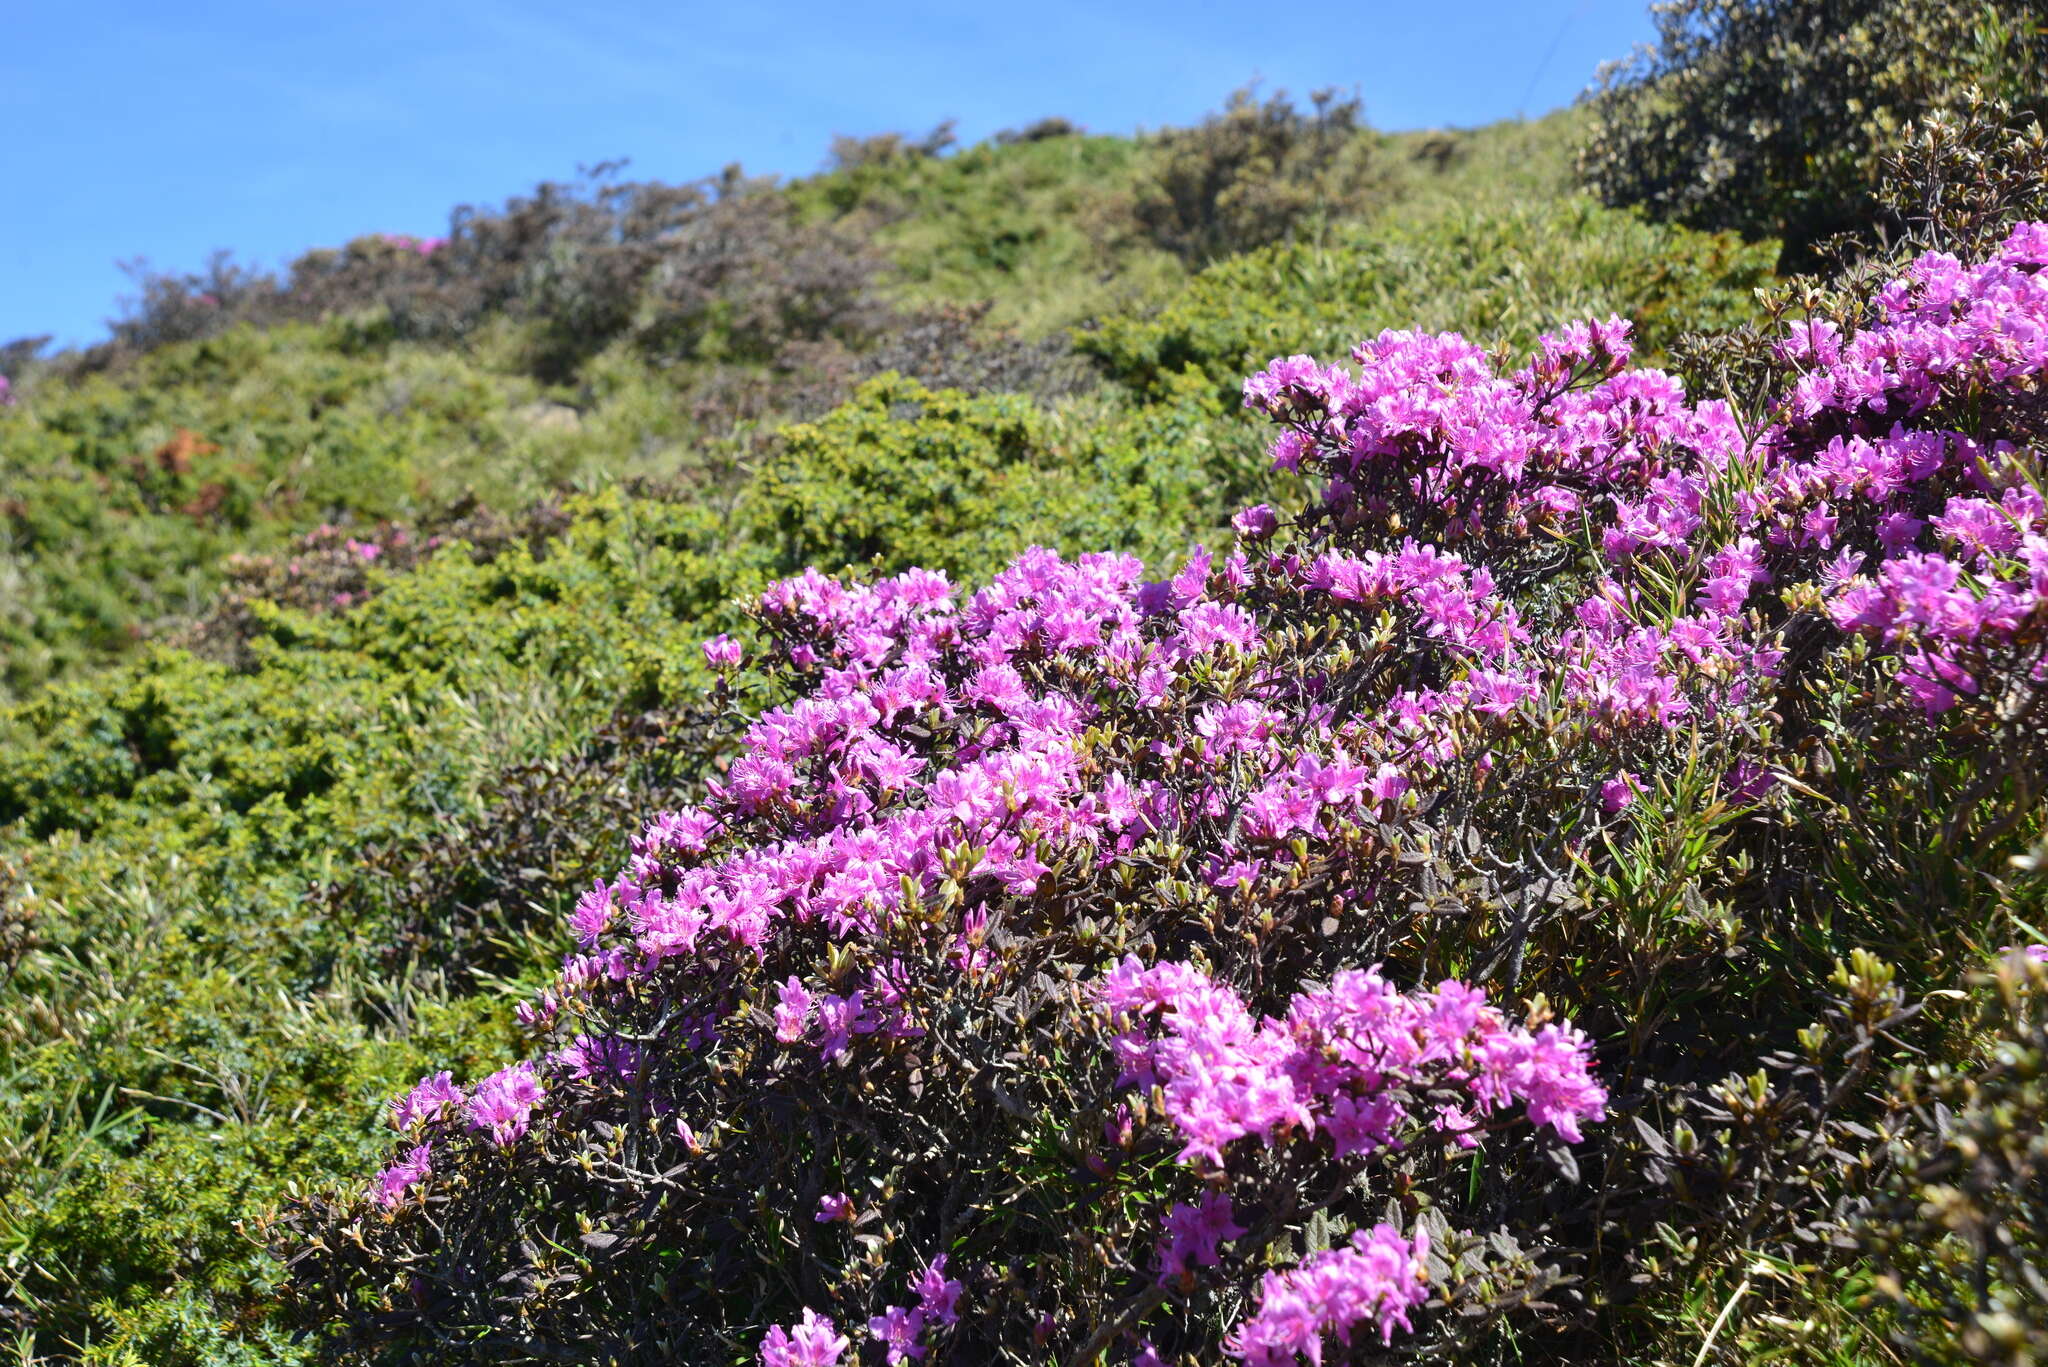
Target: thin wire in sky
<point>1521,106</point>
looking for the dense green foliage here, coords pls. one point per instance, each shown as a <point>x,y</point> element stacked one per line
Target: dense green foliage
<point>1503,275</point>
<point>1772,117</point>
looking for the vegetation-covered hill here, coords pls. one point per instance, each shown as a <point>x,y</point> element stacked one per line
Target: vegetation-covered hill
<point>350,627</point>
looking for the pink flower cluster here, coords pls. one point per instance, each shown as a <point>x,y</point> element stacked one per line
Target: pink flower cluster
<point>1858,472</point>
<point>1377,1281</point>
<point>1427,436</point>
<point>394,1182</point>
<point>429,1100</point>
<point>1850,472</point>
<point>901,1329</point>
<point>502,1103</point>
<point>1428,421</point>
<point>405,242</point>
<point>500,1106</point>
<point>1194,1236</point>
<point>1350,1061</point>
<point>813,1342</point>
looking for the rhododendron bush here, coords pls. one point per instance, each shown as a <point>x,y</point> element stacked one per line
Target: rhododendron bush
<point>1245,963</point>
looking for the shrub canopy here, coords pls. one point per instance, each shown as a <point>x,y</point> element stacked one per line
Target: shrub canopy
<point>1772,117</point>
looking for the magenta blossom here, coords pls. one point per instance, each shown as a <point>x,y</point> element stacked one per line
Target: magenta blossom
<point>427,1101</point>
<point>1376,1281</point>
<point>813,1342</point>
<point>401,1177</point>
<point>502,1103</point>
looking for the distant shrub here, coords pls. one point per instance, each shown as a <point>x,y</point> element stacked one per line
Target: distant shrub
<point>749,278</point>
<point>330,569</point>
<point>1039,130</point>
<point>1769,117</point>
<point>17,356</point>
<point>124,494</point>
<point>718,268</point>
<point>1440,151</point>
<point>182,308</point>
<point>1508,275</point>
<point>887,149</point>
<point>17,359</point>
<point>955,347</point>
<point>1252,174</point>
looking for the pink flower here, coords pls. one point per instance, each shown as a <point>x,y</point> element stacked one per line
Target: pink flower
<point>395,1181</point>
<point>834,1207</point>
<point>1387,784</point>
<point>938,1295</point>
<point>1256,522</point>
<point>813,1342</point>
<point>793,1012</point>
<point>1619,791</point>
<point>1377,1281</point>
<point>722,652</point>
<point>839,1020</point>
<point>427,1101</point>
<point>502,1103</point>
<point>1194,1234</point>
<point>899,1328</point>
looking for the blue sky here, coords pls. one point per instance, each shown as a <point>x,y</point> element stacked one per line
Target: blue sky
<point>165,131</point>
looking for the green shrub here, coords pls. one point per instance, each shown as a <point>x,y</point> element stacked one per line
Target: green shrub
<point>125,494</point>
<point>904,476</point>
<point>1253,174</point>
<point>1042,228</point>
<point>1506,275</point>
<point>1770,117</point>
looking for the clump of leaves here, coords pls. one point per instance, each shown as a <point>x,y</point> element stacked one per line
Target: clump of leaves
<point>1771,117</point>
<point>330,569</point>
<point>1254,174</point>
<point>1955,1225</point>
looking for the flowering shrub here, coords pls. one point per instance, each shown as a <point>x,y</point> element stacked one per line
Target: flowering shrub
<point>1018,957</point>
<point>418,246</point>
<point>329,571</point>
